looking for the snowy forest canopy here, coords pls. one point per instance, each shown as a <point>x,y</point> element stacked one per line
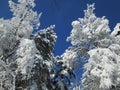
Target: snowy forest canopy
<point>27,61</point>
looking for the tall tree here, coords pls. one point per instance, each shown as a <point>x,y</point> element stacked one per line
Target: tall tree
<point>97,48</point>
<point>27,61</point>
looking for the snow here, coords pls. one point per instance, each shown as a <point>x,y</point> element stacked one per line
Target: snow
<point>25,19</point>
<point>61,85</point>
<point>69,57</point>
<point>64,72</point>
<point>116,29</point>
<point>90,38</point>
<point>93,43</point>
<point>28,2</point>
<point>76,24</point>
<point>101,65</point>
<point>18,48</point>
<point>77,88</point>
<point>33,86</point>
<point>26,54</point>
<point>49,65</point>
<point>105,81</point>
<point>89,28</point>
<point>115,48</point>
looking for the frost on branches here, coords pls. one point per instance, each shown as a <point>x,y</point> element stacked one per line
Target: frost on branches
<point>27,61</point>
<point>98,47</point>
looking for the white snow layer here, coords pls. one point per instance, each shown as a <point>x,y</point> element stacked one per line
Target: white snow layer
<point>26,54</point>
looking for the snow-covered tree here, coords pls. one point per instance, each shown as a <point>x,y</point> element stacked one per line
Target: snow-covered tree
<point>15,46</point>
<point>35,61</point>
<point>27,61</point>
<point>98,49</point>
<point>88,32</point>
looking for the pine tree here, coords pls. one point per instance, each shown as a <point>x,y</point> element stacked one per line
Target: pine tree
<point>27,61</point>
<point>98,49</point>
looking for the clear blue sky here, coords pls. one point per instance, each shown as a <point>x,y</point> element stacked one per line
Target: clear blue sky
<point>63,12</point>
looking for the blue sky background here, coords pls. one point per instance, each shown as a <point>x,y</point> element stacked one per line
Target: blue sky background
<point>63,12</point>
